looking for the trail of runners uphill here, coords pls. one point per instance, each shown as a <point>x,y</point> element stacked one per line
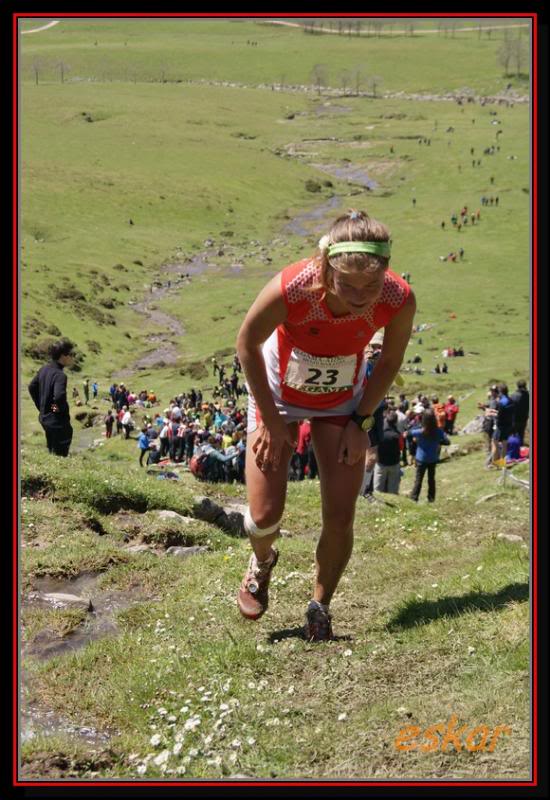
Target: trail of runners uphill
<point>181,273</point>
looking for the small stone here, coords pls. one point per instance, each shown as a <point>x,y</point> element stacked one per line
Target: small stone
<point>510,537</point>
<point>184,552</point>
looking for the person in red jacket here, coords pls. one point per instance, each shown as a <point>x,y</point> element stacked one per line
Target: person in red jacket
<point>451,412</point>
<point>301,347</point>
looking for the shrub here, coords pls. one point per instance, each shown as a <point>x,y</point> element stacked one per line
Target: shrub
<point>312,186</point>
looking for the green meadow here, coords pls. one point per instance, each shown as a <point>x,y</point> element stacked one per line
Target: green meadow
<point>162,143</point>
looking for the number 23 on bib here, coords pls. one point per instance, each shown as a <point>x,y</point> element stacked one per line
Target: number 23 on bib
<point>320,374</point>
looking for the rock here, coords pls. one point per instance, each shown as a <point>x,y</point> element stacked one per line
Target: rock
<point>510,537</point>
<point>174,515</point>
<point>63,600</point>
<point>207,510</point>
<point>474,426</point>
<point>140,548</point>
<point>485,498</point>
<point>184,552</point>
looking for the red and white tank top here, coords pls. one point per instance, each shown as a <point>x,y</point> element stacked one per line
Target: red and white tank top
<point>314,359</point>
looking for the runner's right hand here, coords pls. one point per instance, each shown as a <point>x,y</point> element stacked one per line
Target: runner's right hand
<point>270,443</point>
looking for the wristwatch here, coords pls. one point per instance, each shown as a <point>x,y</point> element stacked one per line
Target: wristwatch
<point>365,422</point>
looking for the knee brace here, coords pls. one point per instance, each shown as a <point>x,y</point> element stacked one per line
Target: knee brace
<point>252,529</point>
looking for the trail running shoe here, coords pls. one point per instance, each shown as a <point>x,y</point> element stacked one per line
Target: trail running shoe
<point>318,626</point>
<point>252,598</point>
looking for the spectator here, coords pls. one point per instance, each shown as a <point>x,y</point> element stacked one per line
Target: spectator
<point>520,398</point>
<point>504,425</point>
<point>488,425</point>
<point>48,390</point>
<point>451,412</point>
<point>428,440</point>
<point>154,453</point>
<point>164,438</point>
<point>95,389</point>
<point>143,444</point>
<point>387,470</point>
<point>127,422</point>
<point>86,389</point>
<point>513,447</point>
<point>109,421</point>
<point>439,411</point>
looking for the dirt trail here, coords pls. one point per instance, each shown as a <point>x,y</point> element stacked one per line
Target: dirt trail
<point>43,28</point>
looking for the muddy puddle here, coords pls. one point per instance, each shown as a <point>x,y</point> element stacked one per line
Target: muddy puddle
<point>314,220</point>
<point>350,173</point>
<point>98,623</point>
<point>36,721</point>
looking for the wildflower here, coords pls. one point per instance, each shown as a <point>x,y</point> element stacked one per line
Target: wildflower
<point>155,740</point>
<point>177,748</point>
<point>348,652</point>
<point>162,758</point>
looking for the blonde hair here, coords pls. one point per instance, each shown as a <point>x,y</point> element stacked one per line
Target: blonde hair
<point>355,226</point>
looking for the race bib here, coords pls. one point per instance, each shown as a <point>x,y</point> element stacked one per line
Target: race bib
<point>319,374</point>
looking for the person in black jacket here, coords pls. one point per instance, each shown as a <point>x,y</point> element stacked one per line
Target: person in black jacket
<point>520,399</point>
<point>387,472</point>
<point>48,390</point>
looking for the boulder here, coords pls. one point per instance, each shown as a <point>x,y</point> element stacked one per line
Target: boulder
<point>63,600</point>
<point>474,426</point>
<point>207,510</point>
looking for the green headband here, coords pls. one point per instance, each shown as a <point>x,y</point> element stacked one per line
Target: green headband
<point>375,248</point>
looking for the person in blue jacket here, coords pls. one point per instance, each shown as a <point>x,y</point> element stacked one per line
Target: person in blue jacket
<point>428,438</point>
<point>143,444</point>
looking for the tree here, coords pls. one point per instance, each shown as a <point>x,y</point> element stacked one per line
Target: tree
<point>374,82</point>
<point>345,79</point>
<point>63,68</point>
<point>505,52</point>
<point>37,65</point>
<point>319,76</point>
<point>519,54</point>
<point>358,75</point>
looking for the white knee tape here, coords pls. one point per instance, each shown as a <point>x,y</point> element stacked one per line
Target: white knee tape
<point>252,529</point>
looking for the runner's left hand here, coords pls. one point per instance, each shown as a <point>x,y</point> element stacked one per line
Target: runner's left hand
<point>353,444</point>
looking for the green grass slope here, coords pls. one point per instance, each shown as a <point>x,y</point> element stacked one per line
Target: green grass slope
<point>431,620</point>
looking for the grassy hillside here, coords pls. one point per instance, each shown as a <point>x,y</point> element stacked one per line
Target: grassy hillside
<point>431,620</point>
<point>236,172</point>
<point>127,183</point>
<point>155,50</point>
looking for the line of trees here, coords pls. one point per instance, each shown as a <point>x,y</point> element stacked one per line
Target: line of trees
<point>351,80</point>
<point>513,54</point>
